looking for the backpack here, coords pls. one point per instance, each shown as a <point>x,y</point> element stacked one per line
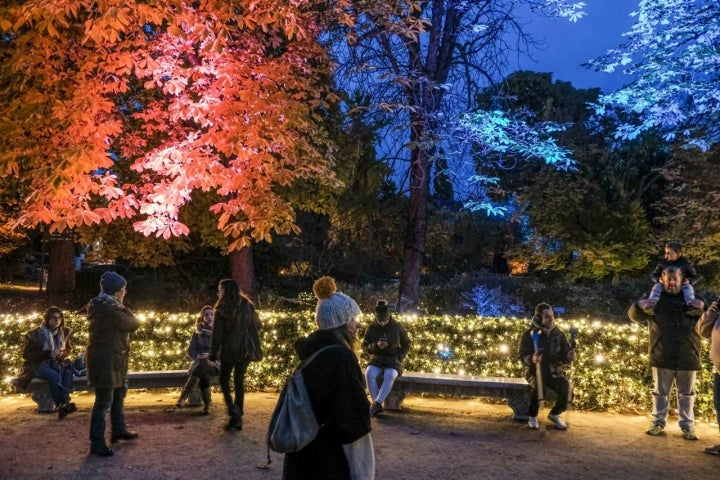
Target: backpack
<point>78,366</point>
<point>293,424</point>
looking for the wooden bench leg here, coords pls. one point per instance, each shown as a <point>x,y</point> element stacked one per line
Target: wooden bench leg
<point>44,402</point>
<point>394,400</point>
<point>520,408</point>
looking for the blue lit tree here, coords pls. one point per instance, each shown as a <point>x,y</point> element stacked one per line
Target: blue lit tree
<point>423,62</point>
<point>673,52</point>
<point>584,220</point>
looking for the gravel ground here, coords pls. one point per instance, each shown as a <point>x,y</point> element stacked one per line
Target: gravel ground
<point>432,438</point>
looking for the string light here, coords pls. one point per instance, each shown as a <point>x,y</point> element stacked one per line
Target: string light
<point>611,371</point>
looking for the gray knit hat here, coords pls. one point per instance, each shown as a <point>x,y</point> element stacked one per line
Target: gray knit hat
<point>111,282</point>
<point>333,308</point>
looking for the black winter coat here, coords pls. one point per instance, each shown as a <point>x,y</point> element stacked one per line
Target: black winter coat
<point>554,348</point>
<point>674,344</point>
<point>396,350</point>
<point>236,337</point>
<point>336,388</point>
<point>199,343</point>
<point>108,347</point>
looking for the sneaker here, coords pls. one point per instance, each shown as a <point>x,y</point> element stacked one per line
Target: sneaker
<point>655,429</point>
<point>533,422</point>
<point>689,434</point>
<point>375,408</point>
<point>714,450</point>
<point>558,422</point>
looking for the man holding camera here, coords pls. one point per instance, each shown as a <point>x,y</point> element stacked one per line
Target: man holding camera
<point>674,351</point>
<point>111,323</point>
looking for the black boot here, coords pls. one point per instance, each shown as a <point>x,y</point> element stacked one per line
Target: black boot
<point>207,399</point>
<point>189,385</point>
<point>235,422</point>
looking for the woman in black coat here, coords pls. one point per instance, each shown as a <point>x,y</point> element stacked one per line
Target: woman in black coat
<point>236,343</point>
<point>343,447</point>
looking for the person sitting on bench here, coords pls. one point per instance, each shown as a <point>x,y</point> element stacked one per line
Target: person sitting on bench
<point>387,343</point>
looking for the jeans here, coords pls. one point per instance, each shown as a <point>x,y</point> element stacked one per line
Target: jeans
<point>372,373</point>
<point>687,290</point>
<point>226,368</point>
<point>559,385</point>
<point>685,383</point>
<point>60,379</point>
<point>716,397</point>
<point>112,399</point>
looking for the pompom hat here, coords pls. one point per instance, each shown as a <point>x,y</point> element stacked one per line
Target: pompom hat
<point>111,282</point>
<point>333,308</point>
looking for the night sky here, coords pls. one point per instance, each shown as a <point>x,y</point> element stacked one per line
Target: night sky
<point>569,45</point>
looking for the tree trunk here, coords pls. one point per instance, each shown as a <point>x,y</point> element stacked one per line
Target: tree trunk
<point>242,271</point>
<point>414,246</point>
<point>61,253</point>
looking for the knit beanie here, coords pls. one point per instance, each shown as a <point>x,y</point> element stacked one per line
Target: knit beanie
<point>111,282</point>
<point>333,308</point>
<point>381,309</point>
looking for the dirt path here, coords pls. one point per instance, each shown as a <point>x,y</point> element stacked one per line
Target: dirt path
<point>431,439</point>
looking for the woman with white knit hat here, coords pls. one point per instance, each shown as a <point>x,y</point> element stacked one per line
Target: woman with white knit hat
<point>343,447</point>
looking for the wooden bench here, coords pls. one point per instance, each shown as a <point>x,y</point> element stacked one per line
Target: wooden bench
<point>40,393</point>
<point>515,390</point>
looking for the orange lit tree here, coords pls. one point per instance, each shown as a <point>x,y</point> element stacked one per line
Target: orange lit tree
<point>125,109</point>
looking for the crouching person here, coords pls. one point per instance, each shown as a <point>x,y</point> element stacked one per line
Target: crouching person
<point>201,369</point>
<point>553,355</point>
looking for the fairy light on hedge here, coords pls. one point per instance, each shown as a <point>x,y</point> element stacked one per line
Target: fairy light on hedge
<point>611,371</point>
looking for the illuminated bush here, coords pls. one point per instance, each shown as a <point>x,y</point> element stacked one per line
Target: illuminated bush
<point>611,372</point>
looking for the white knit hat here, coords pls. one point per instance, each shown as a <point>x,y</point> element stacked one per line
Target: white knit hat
<point>333,308</point>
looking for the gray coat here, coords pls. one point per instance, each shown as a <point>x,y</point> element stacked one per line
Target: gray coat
<point>108,347</point>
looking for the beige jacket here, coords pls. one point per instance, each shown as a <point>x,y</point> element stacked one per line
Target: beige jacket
<point>709,327</point>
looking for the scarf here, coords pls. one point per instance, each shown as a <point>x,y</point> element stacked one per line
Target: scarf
<point>105,298</point>
<point>52,340</point>
<point>538,325</point>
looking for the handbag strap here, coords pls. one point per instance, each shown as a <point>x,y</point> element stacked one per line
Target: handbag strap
<point>306,361</point>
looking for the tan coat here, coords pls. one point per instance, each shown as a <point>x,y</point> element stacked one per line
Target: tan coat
<point>709,327</point>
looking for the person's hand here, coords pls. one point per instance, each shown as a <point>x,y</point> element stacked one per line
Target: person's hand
<point>713,308</point>
<point>643,303</point>
<point>203,356</point>
<point>382,343</point>
<point>571,356</point>
<point>535,358</point>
